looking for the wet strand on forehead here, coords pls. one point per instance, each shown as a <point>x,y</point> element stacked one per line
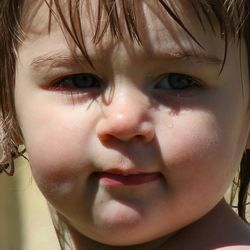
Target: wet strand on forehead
<point>79,34</point>
<point>126,18</point>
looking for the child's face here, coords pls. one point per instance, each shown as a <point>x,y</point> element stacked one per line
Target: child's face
<point>85,142</point>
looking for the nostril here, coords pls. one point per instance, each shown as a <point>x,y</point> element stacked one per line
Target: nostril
<point>147,132</point>
<point>141,138</point>
<point>105,137</point>
<point>141,132</point>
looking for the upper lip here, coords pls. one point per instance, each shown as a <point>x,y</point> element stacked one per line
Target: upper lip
<point>125,172</point>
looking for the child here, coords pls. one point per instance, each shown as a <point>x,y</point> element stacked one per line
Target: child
<point>135,117</point>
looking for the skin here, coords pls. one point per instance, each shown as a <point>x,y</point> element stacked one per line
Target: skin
<point>192,138</point>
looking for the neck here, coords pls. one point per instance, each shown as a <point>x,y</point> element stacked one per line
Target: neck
<point>83,243</point>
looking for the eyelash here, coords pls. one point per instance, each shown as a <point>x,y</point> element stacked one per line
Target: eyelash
<point>85,82</point>
<point>77,83</point>
<point>177,82</point>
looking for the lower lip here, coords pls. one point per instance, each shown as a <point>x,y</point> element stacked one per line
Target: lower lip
<point>111,179</point>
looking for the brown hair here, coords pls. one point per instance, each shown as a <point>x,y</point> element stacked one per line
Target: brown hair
<point>233,17</point>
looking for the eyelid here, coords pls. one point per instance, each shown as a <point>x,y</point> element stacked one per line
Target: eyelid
<point>55,83</point>
<point>197,81</point>
<point>186,92</point>
<point>74,75</point>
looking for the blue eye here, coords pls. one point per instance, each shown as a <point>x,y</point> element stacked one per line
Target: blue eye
<point>79,82</point>
<point>174,81</point>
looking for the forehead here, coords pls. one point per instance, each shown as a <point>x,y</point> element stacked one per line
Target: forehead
<point>119,20</point>
<point>93,11</point>
<point>146,15</point>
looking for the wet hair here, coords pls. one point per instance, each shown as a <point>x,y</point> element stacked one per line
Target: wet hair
<point>232,18</point>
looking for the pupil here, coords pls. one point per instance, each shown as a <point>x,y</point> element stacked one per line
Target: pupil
<point>179,82</point>
<point>81,81</point>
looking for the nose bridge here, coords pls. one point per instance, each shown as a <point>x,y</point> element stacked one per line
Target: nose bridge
<point>126,116</point>
<point>128,102</point>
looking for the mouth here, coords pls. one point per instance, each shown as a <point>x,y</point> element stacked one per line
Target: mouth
<point>122,179</point>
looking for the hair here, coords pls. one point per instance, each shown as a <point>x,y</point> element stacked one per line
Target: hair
<point>232,16</point>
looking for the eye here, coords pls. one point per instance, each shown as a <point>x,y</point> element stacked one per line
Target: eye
<point>78,82</point>
<point>174,81</point>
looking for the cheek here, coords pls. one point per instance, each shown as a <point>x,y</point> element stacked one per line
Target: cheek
<point>57,146</point>
<point>198,155</point>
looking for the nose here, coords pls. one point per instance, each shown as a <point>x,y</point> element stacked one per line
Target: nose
<point>126,118</point>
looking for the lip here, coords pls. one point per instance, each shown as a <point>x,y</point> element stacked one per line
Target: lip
<point>124,179</point>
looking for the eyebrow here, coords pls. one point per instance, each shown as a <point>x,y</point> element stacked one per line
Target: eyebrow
<point>55,60</point>
<point>61,59</point>
<point>189,54</point>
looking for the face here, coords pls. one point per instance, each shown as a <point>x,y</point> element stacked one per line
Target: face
<point>150,137</point>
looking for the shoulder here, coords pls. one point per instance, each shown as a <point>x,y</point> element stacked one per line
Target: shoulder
<point>222,229</point>
<point>239,247</point>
